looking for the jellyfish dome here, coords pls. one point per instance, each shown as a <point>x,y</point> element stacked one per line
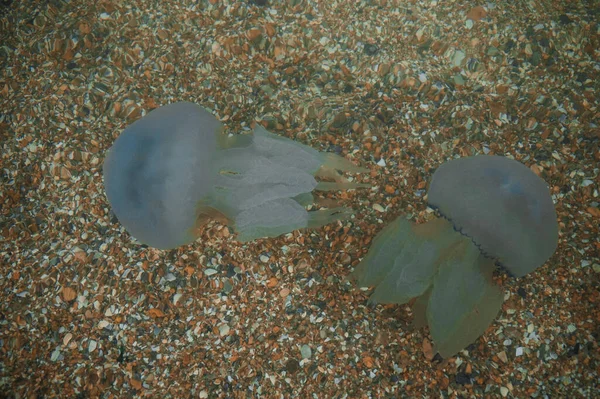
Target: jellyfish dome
<point>171,171</point>
<point>502,205</point>
<point>494,210</point>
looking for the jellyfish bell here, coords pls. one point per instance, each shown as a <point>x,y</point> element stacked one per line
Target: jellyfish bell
<point>174,169</point>
<point>157,170</point>
<point>502,205</point>
<point>494,209</point>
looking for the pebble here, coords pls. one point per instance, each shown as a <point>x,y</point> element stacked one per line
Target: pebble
<point>378,208</point>
<point>92,346</point>
<point>492,51</point>
<point>55,355</point>
<point>223,330</point>
<point>227,287</point>
<point>176,298</point>
<point>210,272</point>
<point>292,365</point>
<point>477,13</point>
<point>459,80</point>
<point>519,351</point>
<point>306,352</point>
<point>264,258</point>
<point>502,356</point>
<point>530,328</point>
<point>458,57</point>
<point>504,391</point>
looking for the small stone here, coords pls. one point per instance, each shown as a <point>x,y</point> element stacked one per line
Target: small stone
<point>284,292</point>
<point>564,19</point>
<point>92,346</point>
<point>55,355</point>
<point>503,391</point>
<point>469,24</point>
<point>368,361</point>
<point>103,324</point>
<point>420,34</point>
<point>371,49</point>
<point>227,287</point>
<point>477,13</point>
<point>519,351</point>
<point>462,378</point>
<point>210,272</point>
<point>502,356</point>
<point>427,349</point>
<point>176,298</point>
<point>378,208</point>
<point>223,330</point>
<point>68,294</point>
<point>492,51</point>
<point>459,80</point>
<point>381,162</point>
<point>458,58</point>
<point>292,366</point>
<point>264,258</point>
<point>306,352</point>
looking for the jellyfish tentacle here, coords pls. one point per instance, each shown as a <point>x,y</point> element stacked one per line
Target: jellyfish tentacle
<point>270,171</point>
<point>386,245</point>
<point>336,162</point>
<point>304,199</point>
<point>270,219</point>
<point>464,300</point>
<point>326,216</point>
<point>419,310</point>
<point>332,186</point>
<point>414,267</point>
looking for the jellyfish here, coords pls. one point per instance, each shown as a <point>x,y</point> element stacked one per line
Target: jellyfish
<point>494,211</point>
<point>173,170</point>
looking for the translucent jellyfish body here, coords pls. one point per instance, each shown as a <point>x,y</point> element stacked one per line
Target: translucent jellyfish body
<point>495,210</point>
<point>172,170</point>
